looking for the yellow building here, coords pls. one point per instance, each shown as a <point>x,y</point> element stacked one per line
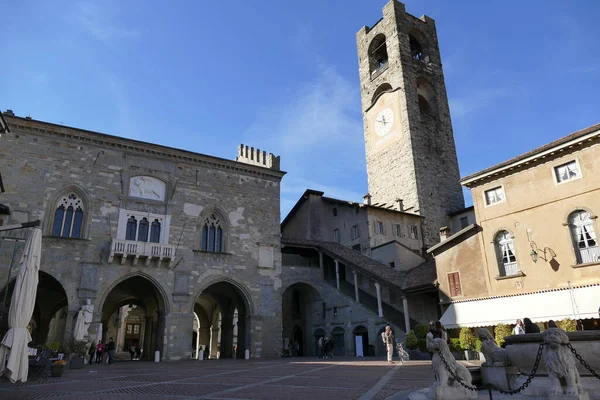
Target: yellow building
<point>533,251</point>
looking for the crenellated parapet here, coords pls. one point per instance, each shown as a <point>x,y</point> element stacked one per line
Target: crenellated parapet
<point>250,155</point>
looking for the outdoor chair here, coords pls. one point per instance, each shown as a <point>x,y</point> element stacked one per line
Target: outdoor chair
<point>40,364</point>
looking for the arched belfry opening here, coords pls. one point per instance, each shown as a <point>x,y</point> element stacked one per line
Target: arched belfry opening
<point>378,55</point>
<point>223,330</point>
<point>418,49</point>
<point>133,314</point>
<point>300,310</point>
<point>48,322</point>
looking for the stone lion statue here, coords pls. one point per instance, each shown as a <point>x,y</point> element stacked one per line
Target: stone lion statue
<point>560,363</point>
<point>444,377</point>
<point>494,355</point>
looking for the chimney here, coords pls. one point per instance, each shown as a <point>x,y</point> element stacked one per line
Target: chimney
<point>445,233</point>
<point>9,112</point>
<point>400,204</point>
<point>367,199</point>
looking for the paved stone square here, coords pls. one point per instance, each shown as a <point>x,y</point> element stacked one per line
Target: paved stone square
<point>289,378</point>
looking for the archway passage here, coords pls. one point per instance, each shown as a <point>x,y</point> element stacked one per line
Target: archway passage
<point>362,333</point>
<point>301,304</point>
<point>133,315</point>
<point>49,313</point>
<point>223,326</point>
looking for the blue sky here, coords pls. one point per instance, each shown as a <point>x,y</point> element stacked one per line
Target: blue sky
<point>283,76</point>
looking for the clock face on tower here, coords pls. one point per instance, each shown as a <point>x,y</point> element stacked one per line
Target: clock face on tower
<point>384,122</point>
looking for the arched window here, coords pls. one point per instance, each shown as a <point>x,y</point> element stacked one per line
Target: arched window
<point>212,234</point>
<point>584,237</point>
<point>143,230</point>
<point>68,217</point>
<point>505,250</point>
<point>131,231</point>
<point>155,231</point>
<point>378,57</point>
<point>385,87</point>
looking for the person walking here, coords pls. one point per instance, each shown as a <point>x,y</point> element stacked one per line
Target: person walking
<point>530,327</point>
<point>518,329</point>
<point>388,340</point>
<point>111,351</point>
<point>99,352</point>
<point>92,352</point>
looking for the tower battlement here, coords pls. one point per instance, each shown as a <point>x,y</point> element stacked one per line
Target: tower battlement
<point>252,156</point>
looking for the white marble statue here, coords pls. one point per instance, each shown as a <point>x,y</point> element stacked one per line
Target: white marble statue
<point>84,319</point>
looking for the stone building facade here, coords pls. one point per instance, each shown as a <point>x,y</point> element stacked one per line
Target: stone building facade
<point>533,251</point>
<point>177,249</point>
<point>411,155</point>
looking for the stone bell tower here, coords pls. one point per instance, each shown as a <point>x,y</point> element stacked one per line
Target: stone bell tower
<point>410,148</point>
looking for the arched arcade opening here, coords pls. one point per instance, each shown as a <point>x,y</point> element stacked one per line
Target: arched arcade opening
<point>48,321</point>
<point>133,314</point>
<point>301,303</point>
<point>222,325</point>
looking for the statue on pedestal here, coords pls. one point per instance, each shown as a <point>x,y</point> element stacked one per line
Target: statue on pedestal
<point>84,318</point>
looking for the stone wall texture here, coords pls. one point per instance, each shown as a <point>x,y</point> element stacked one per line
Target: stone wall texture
<point>42,162</point>
<point>420,166</point>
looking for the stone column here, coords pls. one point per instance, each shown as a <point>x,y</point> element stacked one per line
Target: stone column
<point>337,274</point>
<point>226,338</point>
<point>241,336</point>
<point>355,286</point>
<point>406,316</point>
<point>69,326</point>
<point>379,308</point>
<point>149,339</point>
<point>214,342</point>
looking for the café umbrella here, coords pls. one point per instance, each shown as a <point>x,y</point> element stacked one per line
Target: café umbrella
<point>14,363</point>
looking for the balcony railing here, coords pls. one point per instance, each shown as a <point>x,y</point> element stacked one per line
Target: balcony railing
<point>146,250</point>
<point>589,255</point>
<point>511,269</point>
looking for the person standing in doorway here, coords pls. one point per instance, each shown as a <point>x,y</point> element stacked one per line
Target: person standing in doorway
<point>111,351</point>
<point>388,340</point>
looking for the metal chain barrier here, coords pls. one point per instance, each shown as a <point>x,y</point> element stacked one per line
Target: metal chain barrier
<point>490,387</point>
<point>582,361</point>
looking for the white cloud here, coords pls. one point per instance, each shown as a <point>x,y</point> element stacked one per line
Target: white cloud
<point>318,133</point>
<point>101,22</point>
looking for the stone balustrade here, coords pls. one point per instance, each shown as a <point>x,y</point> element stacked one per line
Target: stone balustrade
<point>146,250</point>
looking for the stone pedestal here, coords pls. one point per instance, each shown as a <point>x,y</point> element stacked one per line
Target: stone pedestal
<point>450,393</point>
<point>583,396</point>
<point>497,376</point>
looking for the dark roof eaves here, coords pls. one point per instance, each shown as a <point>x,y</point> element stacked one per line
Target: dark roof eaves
<point>452,238</point>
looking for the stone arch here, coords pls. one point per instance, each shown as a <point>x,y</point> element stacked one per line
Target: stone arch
<point>419,49</point>
<point>212,279</point>
<point>426,97</point>
<point>377,53</point>
<point>363,332</point>
<point>163,294</point>
<point>52,205</point>
<point>133,312</point>
<point>300,303</point>
<point>229,309</point>
<point>51,300</point>
<point>381,89</point>
<point>223,221</point>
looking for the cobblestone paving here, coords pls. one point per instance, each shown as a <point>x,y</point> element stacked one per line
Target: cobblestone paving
<point>299,378</point>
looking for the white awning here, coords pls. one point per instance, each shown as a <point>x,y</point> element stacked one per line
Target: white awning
<point>577,303</point>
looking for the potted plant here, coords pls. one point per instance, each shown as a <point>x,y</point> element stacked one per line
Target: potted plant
<point>57,368</point>
<point>55,347</point>
<point>467,342</point>
<point>78,350</point>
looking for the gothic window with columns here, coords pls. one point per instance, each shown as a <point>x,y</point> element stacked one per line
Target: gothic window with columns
<point>212,234</point>
<point>142,230</point>
<point>69,217</point>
